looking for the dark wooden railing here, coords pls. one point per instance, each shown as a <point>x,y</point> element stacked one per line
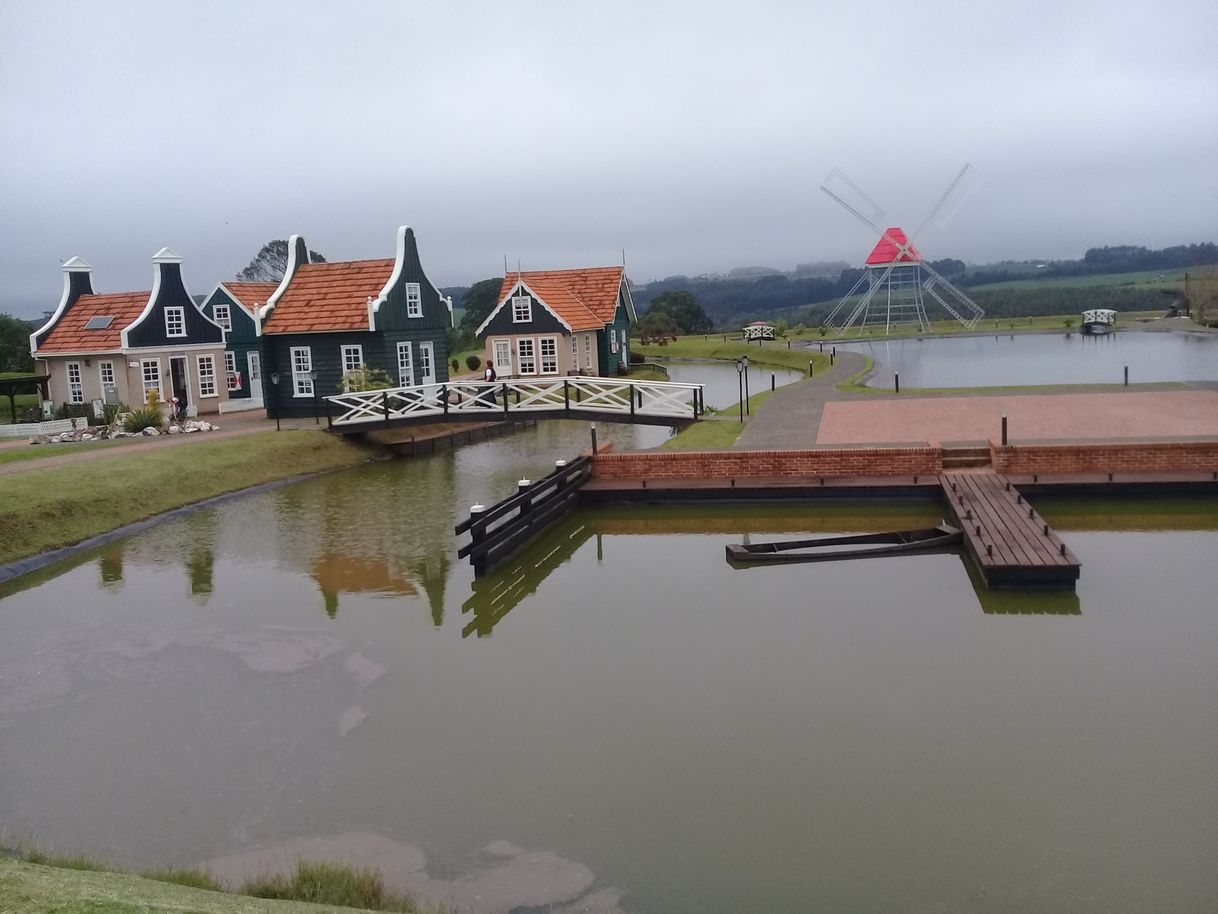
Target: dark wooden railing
<point>499,532</point>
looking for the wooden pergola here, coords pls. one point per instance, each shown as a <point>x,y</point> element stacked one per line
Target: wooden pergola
<point>35,383</point>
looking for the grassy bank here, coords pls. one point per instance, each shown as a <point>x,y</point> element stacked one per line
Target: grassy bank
<point>27,888</point>
<point>719,431</point>
<point>47,508</point>
<point>774,353</point>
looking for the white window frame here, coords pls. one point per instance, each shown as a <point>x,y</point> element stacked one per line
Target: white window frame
<point>230,371</point>
<point>104,368</point>
<point>76,388</point>
<point>225,321</point>
<point>530,360</point>
<point>522,309</point>
<point>405,365</point>
<point>542,343</point>
<point>178,312</point>
<point>153,383</point>
<point>205,364</point>
<point>302,363</point>
<point>414,300</point>
<point>574,352</point>
<point>352,358</point>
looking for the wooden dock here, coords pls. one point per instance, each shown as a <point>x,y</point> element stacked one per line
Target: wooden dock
<point>1010,543</point>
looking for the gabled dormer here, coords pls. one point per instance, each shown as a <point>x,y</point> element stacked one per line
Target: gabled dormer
<point>171,317</point>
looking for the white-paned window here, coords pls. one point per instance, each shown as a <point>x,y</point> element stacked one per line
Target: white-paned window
<point>574,352</point>
<point>175,321</point>
<point>302,364</point>
<point>76,387</point>
<point>405,365</point>
<point>414,300</point>
<point>613,341</point>
<point>522,309</point>
<point>230,371</point>
<point>549,354</point>
<point>353,358</point>
<point>150,371</point>
<point>105,373</point>
<point>207,376</point>
<point>222,316</point>
<point>588,350</point>
<point>526,355</point>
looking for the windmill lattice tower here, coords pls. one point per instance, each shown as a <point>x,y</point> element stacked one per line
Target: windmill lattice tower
<point>890,291</point>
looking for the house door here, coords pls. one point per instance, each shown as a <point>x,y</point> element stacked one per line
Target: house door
<point>503,358</point>
<point>179,381</point>
<point>427,362</point>
<point>254,362</point>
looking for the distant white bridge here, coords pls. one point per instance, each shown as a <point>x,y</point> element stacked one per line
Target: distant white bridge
<point>610,399</point>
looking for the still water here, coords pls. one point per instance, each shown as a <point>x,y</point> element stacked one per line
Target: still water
<point>1058,358</point>
<point>621,721</point>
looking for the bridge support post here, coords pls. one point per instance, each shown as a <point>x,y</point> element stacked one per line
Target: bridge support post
<point>385,407</point>
<point>566,396</point>
<point>505,401</point>
<point>444,397</point>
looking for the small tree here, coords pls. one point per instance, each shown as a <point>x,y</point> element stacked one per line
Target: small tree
<point>271,263</point>
<point>472,362</point>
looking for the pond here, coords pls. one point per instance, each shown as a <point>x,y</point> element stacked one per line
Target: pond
<point>1043,358</point>
<point>721,381</point>
<point>622,721</point>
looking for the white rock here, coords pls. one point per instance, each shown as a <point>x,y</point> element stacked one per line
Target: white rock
<point>173,430</point>
<point>86,437</point>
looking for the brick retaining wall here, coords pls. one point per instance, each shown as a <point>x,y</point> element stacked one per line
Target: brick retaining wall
<point>1144,457</point>
<point>903,461</point>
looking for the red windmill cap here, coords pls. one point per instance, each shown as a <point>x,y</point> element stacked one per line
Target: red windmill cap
<point>893,247</point>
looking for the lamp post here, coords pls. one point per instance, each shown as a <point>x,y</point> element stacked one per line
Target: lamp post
<point>316,404</point>
<point>747,408</point>
<point>740,384</point>
<point>275,385</point>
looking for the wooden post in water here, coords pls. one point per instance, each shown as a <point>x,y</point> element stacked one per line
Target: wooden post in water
<point>526,504</point>
<point>477,533</point>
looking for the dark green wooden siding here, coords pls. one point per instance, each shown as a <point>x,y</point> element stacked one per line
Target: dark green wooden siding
<point>172,292</point>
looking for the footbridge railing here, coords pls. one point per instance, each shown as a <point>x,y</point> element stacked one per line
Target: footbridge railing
<point>616,399</point>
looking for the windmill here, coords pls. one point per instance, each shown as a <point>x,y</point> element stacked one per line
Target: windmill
<point>895,276</point>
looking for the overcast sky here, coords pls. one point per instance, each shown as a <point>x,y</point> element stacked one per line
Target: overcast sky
<point>693,135</point>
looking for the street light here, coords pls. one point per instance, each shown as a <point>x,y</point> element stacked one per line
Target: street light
<point>275,383</point>
<point>747,408</point>
<point>316,404</point>
<point>740,384</point>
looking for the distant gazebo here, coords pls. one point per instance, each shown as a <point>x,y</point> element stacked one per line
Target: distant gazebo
<point>758,330</point>
<point>35,383</point>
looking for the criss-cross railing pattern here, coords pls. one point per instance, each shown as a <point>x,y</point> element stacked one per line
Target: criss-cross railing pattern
<point>617,398</point>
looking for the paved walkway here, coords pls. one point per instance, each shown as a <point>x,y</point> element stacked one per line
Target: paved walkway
<point>814,413</point>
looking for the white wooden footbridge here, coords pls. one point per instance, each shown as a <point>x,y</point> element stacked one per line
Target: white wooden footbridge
<point>606,399</point>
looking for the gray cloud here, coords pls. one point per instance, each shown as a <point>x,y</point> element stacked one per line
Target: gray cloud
<point>694,135</point>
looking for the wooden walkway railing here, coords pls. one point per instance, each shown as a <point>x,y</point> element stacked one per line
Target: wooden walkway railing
<point>498,533</point>
<point>616,399</point>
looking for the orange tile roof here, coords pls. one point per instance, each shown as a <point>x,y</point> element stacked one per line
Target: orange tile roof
<point>70,335</point>
<point>585,298</point>
<point>329,296</point>
<point>251,294</point>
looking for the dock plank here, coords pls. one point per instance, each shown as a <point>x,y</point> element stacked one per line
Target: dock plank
<point>1004,535</point>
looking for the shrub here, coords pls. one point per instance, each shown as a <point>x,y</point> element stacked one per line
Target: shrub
<point>365,378</point>
<point>145,417</point>
<point>1068,322</point>
<point>193,878</point>
<point>329,883</point>
<point>472,362</point>
<point>455,365</point>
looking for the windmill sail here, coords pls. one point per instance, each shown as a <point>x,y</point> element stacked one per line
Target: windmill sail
<point>890,291</point>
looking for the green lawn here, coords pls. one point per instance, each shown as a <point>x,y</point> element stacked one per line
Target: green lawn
<point>51,507</point>
<point>27,888</point>
<point>31,452</point>
<point>713,346</point>
<point>719,430</point>
<point>1159,279</point>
